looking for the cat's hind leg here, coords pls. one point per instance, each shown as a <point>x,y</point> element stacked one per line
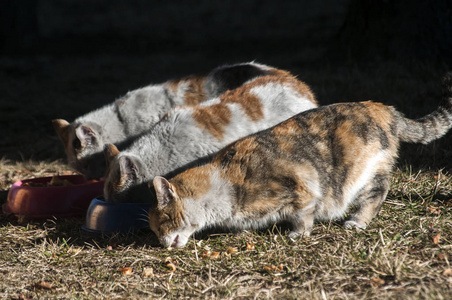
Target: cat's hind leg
<point>369,202</point>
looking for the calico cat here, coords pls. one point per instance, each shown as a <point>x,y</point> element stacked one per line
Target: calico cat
<point>121,121</point>
<point>190,133</point>
<point>310,167</point>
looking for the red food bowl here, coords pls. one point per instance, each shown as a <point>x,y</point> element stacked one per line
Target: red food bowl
<point>36,199</point>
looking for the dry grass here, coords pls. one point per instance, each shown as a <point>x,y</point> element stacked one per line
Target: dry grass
<point>405,253</point>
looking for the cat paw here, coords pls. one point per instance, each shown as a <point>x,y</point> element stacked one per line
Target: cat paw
<point>296,235</point>
<point>354,225</point>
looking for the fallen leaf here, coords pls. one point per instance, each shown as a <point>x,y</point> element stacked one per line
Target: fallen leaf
<point>170,260</point>
<point>269,268</point>
<point>274,268</point>
<point>377,281</point>
<point>443,256</point>
<point>447,272</point>
<point>75,250</point>
<point>434,210</point>
<point>126,270</point>
<point>148,272</point>
<point>250,246</point>
<point>171,267</point>
<point>170,263</point>
<point>436,238</point>
<point>232,250</point>
<point>44,285</point>
<point>214,255</point>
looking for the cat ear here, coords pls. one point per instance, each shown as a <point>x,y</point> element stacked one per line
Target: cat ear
<point>62,128</point>
<point>164,190</point>
<point>110,152</point>
<point>85,134</point>
<point>128,167</point>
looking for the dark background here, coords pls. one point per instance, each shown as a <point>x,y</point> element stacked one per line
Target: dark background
<point>61,59</point>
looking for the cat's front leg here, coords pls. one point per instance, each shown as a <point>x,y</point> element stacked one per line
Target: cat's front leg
<point>302,222</point>
<point>351,224</point>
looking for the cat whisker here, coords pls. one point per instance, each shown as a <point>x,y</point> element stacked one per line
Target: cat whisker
<point>143,218</point>
<point>147,221</point>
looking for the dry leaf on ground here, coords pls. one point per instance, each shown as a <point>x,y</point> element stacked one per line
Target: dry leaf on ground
<point>436,238</point>
<point>434,210</point>
<point>443,256</point>
<point>210,254</point>
<point>126,270</point>
<point>249,246</point>
<point>171,267</point>
<point>377,281</point>
<point>271,268</point>
<point>233,250</point>
<point>44,285</point>
<point>170,264</point>
<point>148,272</point>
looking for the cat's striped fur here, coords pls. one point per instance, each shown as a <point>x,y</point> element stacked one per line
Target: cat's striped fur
<point>310,167</point>
<point>190,133</point>
<point>123,120</point>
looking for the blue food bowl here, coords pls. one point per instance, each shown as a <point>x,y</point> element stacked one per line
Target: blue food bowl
<point>105,217</point>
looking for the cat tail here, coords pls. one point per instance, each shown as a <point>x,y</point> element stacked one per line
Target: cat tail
<point>432,126</point>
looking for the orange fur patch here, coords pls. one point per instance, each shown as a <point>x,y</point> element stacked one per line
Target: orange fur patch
<point>381,114</point>
<point>235,174</point>
<point>250,103</point>
<point>194,93</point>
<point>287,134</point>
<point>167,219</point>
<point>193,183</point>
<point>213,119</point>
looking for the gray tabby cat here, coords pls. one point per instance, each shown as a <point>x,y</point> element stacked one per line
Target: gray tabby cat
<point>190,133</point>
<point>128,117</point>
<point>313,166</point>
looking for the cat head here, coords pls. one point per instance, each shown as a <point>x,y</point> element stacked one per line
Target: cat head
<point>125,178</point>
<point>83,147</point>
<point>167,218</point>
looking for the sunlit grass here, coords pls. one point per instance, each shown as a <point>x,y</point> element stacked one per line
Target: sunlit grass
<point>397,255</point>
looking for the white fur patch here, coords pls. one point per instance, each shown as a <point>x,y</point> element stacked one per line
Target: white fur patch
<point>368,172</point>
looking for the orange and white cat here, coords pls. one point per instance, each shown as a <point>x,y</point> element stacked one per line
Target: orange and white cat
<point>313,166</point>
<point>190,133</point>
<point>122,121</point>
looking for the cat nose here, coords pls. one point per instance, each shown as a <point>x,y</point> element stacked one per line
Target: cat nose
<point>175,242</point>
